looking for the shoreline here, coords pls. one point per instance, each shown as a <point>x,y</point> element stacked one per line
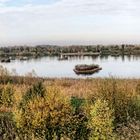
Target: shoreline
<point>29,79</point>
<point>50,50</point>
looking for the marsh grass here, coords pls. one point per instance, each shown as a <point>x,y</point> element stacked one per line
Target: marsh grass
<point>38,109</point>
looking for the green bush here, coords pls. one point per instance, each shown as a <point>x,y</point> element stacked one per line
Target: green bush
<point>79,124</point>
<point>76,103</point>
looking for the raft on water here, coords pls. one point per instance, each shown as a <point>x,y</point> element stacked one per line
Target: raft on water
<point>86,69</point>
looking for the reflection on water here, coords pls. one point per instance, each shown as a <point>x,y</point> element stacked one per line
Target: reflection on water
<point>120,66</point>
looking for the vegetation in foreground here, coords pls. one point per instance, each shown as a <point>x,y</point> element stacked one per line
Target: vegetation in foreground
<point>69,109</point>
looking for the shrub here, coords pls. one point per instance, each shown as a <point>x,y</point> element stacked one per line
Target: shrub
<point>134,107</point>
<point>76,103</point>
<point>119,98</point>
<point>37,90</point>
<point>129,131</point>
<point>101,121</point>
<point>7,127</point>
<point>7,96</point>
<point>79,123</point>
<point>46,116</point>
<point>1,102</point>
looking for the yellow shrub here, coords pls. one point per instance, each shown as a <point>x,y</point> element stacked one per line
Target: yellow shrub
<point>101,121</point>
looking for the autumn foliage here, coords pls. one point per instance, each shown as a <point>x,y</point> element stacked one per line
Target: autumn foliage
<point>66,109</point>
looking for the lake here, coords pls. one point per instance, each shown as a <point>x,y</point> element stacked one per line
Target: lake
<point>121,67</point>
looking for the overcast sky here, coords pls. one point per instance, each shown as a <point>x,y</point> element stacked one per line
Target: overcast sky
<point>69,22</point>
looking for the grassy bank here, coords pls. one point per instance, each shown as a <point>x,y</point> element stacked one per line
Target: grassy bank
<point>39,109</point>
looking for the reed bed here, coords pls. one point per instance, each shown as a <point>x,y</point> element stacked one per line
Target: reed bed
<point>69,109</point>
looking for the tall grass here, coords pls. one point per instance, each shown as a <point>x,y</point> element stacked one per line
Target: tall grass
<point>102,109</point>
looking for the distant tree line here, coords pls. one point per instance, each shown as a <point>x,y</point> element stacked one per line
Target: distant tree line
<point>51,50</point>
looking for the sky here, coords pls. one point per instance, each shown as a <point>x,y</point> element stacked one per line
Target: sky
<point>69,22</point>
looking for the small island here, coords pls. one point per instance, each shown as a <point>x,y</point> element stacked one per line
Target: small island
<point>87,69</point>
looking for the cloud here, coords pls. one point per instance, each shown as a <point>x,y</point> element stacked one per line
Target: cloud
<point>90,6</point>
<point>63,8</point>
<point>69,19</point>
<point>3,0</point>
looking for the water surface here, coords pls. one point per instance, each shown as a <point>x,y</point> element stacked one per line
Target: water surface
<point>122,67</point>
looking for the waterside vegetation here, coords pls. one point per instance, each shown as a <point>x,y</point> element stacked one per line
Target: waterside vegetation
<point>23,52</point>
<point>69,109</point>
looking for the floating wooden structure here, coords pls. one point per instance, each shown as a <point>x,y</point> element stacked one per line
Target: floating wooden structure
<point>86,69</point>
